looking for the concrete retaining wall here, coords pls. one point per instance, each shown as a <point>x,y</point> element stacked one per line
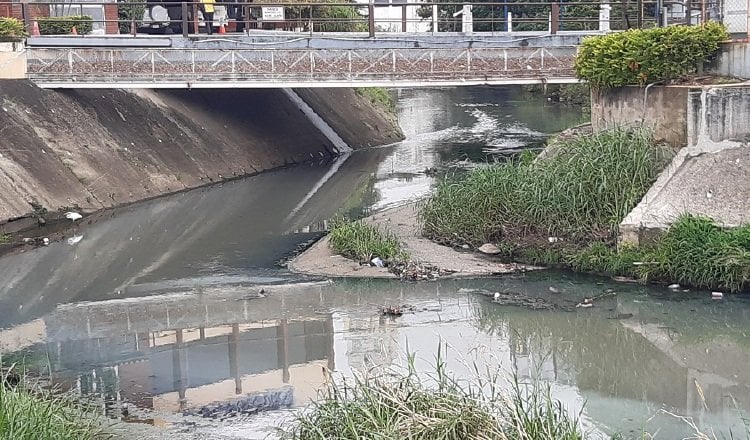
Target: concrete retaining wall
<point>733,60</point>
<point>12,61</point>
<point>710,176</point>
<point>718,114</point>
<point>100,148</point>
<point>660,108</point>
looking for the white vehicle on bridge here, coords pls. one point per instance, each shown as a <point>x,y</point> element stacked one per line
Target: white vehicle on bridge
<point>166,18</point>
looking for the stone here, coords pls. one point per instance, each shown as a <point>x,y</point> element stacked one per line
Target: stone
<point>489,248</point>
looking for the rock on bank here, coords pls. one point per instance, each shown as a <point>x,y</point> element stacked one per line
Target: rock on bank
<point>100,148</point>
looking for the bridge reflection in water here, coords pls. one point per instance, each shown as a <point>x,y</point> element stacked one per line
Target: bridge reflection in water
<point>185,353</point>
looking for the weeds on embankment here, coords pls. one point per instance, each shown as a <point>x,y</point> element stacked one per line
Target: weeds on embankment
<point>581,191</point>
<point>29,411</point>
<point>362,241</point>
<point>390,403</point>
<point>564,210</point>
<point>694,251</point>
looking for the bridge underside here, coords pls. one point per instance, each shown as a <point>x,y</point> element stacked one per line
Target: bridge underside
<point>354,66</point>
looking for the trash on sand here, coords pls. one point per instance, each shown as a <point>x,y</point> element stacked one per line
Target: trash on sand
<point>378,262</point>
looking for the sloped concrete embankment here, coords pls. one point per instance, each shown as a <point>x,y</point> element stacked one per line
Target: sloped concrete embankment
<point>709,175</point>
<point>94,149</point>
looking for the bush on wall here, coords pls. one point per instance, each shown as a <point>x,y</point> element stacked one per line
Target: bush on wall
<point>642,56</point>
<point>11,28</point>
<point>64,25</point>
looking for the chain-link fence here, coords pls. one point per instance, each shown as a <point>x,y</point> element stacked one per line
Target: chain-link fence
<point>735,15</point>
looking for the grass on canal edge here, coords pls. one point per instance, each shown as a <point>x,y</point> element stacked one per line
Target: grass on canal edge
<point>388,403</point>
<point>378,96</point>
<point>578,194</point>
<point>362,241</point>
<point>694,251</point>
<point>29,411</point>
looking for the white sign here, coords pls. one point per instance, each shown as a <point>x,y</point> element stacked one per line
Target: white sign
<point>272,13</point>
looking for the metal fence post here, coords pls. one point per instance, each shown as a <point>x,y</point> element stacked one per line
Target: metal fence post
<point>25,17</point>
<point>184,19</point>
<point>403,18</point>
<point>554,23</point>
<point>371,18</point>
<point>434,18</point>
<point>639,14</point>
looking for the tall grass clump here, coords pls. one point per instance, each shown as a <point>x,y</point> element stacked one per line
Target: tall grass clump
<point>580,191</point>
<point>363,242</point>
<point>31,412</point>
<point>694,251</point>
<point>698,252</point>
<point>390,403</point>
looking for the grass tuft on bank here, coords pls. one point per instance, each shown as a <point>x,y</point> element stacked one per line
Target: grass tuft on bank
<point>694,251</point>
<point>378,96</point>
<point>362,241</point>
<point>401,404</point>
<point>31,412</point>
<point>579,192</point>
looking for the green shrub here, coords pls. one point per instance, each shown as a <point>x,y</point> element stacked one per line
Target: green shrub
<point>642,56</point>
<point>580,191</point>
<point>11,28</point>
<point>64,25</point>
<point>361,241</point>
<point>127,11</point>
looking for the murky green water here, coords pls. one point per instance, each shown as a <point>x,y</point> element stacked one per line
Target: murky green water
<point>156,306</point>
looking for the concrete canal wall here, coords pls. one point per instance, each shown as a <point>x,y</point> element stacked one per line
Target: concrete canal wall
<point>94,149</point>
<point>710,173</point>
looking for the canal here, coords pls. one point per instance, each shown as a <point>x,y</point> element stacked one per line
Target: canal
<point>180,309</point>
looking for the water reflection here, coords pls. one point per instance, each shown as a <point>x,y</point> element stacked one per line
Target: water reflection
<point>224,350</point>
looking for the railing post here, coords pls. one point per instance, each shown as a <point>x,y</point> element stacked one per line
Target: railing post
<point>25,16</point>
<point>554,22</point>
<point>604,11</point>
<point>509,22</point>
<point>403,18</point>
<point>664,20</point>
<point>639,14</point>
<point>371,18</point>
<point>435,18</point>
<point>184,19</point>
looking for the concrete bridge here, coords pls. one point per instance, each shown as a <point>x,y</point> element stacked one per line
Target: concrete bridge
<point>277,59</point>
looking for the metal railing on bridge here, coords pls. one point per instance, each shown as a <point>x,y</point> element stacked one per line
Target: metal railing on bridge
<point>188,18</point>
<point>164,67</point>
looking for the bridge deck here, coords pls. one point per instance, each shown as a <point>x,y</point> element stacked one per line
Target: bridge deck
<point>299,61</point>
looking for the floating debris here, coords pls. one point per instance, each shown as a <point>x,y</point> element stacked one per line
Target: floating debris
<point>717,295</point>
<point>517,299</point>
<point>586,303</point>
<point>416,272</point>
<point>398,310</point>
